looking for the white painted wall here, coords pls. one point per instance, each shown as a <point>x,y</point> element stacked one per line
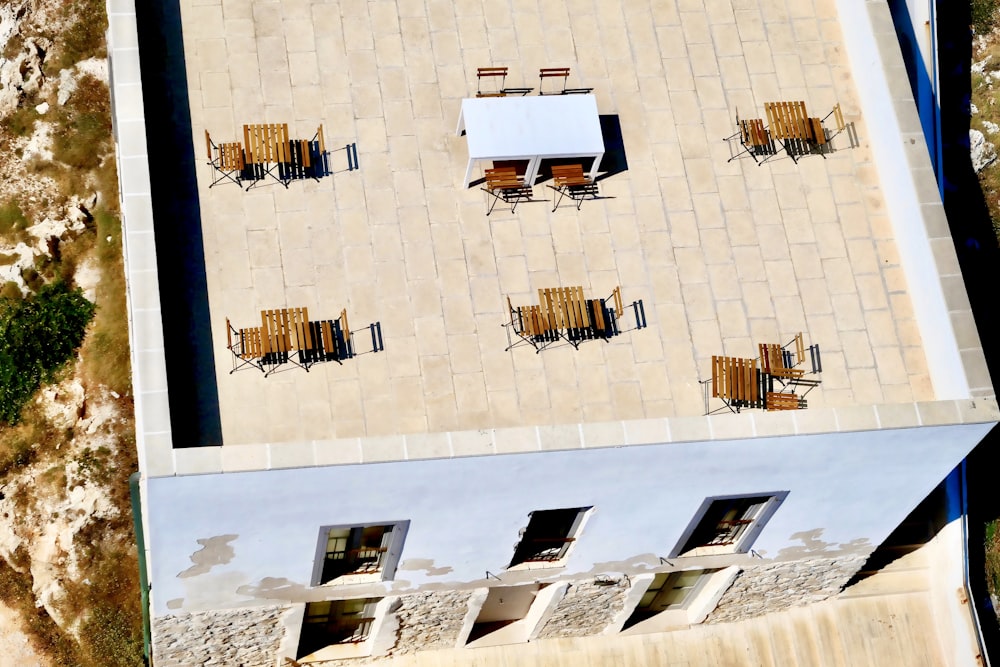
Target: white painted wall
<point>465,513</point>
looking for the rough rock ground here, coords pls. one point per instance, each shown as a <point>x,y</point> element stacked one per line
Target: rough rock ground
<point>41,513</point>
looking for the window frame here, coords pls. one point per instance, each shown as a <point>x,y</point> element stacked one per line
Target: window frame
<point>746,536</point>
<point>363,620</point>
<point>387,562</point>
<point>568,540</point>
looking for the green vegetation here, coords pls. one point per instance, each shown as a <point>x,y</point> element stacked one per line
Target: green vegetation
<point>21,122</point>
<point>989,112</point>
<point>86,126</point>
<point>84,36</point>
<point>38,335</point>
<point>993,557</point>
<point>12,219</point>
<point>984,15</point>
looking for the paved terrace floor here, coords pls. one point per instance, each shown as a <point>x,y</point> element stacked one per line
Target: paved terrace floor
<point>724,255</point>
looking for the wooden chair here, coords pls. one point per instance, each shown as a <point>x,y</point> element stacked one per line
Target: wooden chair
<point>737,382</point>
<point>786,363</point>
<point>307,158</point>
<point>491,73</point>
<point>754,139</point>
<point>557,73</point>
<point>530,325</point>
<point>838,119</point>
<point>552,73</point>
<point>268,151</point>
<point>503,183</point>
<point>247,345</point>
<point>569,180</point>
<point>783,401</point>
<point>227,161</point>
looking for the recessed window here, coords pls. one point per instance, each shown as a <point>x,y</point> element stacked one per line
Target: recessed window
<point>336,622</point>
<point>727,524</point>
<point>675,599</point>
<point>548,537</point>
<point>358,554</point>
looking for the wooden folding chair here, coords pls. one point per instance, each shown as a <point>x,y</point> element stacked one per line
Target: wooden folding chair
<point>530,325</point>
<point>838,119</point>
<point>569,181</point>
<point>784,401</point>
<point>247,346</point>
<point>735,381</point>
<point>753,137</point>
<point>545,73</point>
<point>227,161</point>
<point>503,183</point>
<point>492,74</point>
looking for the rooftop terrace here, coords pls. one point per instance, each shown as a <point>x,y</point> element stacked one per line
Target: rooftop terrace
<point>724,255</point>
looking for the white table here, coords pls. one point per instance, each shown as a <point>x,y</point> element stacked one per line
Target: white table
<point>531,128</point>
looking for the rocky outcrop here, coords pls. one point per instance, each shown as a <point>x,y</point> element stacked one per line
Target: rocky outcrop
<point>982,152</point>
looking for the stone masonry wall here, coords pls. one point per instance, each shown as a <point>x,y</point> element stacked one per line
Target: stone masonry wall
<point>429,620</point>
<point>586,609</point>
<point>232,638</point>
<point>769,588</point>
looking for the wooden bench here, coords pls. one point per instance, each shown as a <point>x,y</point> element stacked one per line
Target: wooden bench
<point>267,151</point>
<point>226,159</point>
<point>503,183</point>
<point>783,401</point>
<point>491,73</point>
<point>736,382</point>
<point>569,180</point>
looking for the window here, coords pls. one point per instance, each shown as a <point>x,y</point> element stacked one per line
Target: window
<point>673,599</point>
<point>727,524</point>
<point>548,536</point>
<point>358,554</point>
<point>672,590</point>
<point>336,622</point>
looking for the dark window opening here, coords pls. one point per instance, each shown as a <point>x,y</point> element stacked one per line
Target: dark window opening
<point>548,535</point>
<point>728,524</point>
<point>336,622</point>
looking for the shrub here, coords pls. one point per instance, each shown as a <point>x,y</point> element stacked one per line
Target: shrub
<point>83,36</point>
<point>983,16</point>
<point>21,122</point>
<point>37,337</point>
<point>12,218</point>
<point>86,123</point>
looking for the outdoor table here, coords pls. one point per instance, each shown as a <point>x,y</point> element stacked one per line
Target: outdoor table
<point>532,129</point>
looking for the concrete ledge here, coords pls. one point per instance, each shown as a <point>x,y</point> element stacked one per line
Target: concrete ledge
<point>747,425</point>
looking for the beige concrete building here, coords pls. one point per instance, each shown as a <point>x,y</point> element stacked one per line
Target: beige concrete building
<point>439,474</point>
